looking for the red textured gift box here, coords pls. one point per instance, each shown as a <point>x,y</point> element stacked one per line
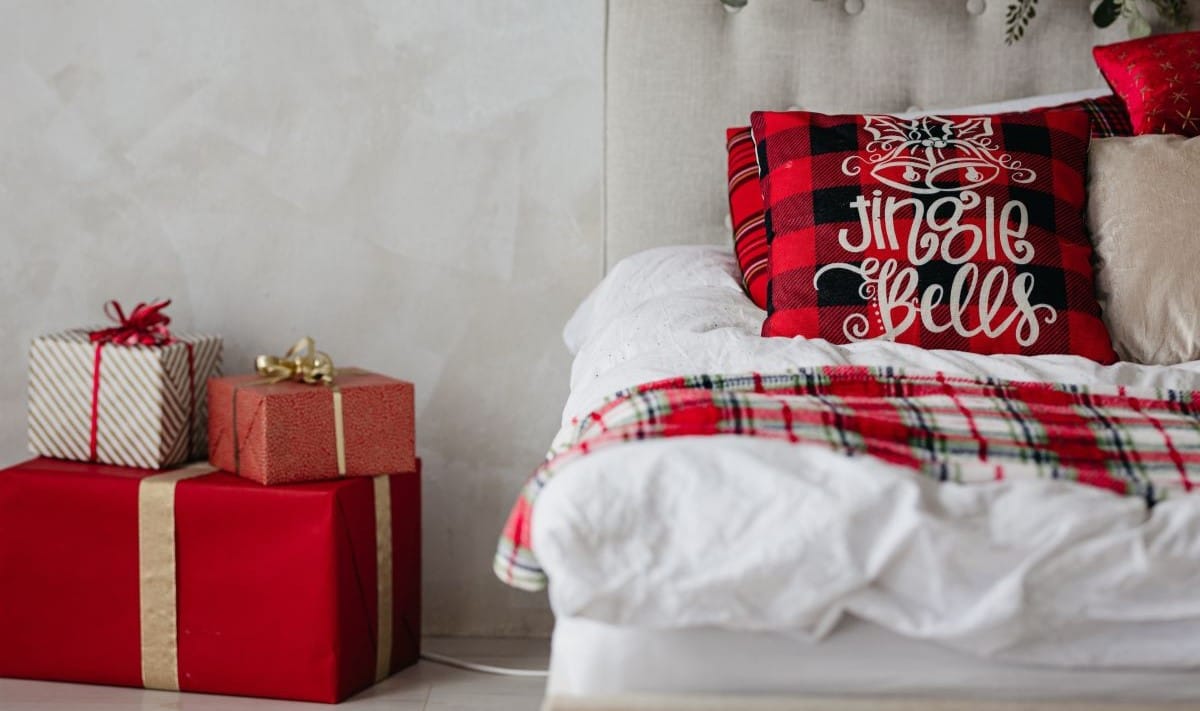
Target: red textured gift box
<point>276,590</point>
<point>285,432</point>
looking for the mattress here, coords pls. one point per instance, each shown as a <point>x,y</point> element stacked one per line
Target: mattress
<point>750,535</point>
<point>858,659</point>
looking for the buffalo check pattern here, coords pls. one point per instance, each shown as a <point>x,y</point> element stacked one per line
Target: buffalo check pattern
<point>958,233</point>
<point>1158,78</point>
<point>1108,118</point>
<point>1144,443</point>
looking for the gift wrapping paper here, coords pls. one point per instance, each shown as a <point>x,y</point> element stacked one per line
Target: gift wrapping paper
<point>283,432</point>
<point>135,406</point>
<point>199,580</point>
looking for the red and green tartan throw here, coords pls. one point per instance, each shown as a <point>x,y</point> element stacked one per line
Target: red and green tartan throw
<point>1136,443</point>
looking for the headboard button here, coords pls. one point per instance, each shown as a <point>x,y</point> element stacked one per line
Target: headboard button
<point>976,7</point>
<point>734,5</point>
<point>853,7</point>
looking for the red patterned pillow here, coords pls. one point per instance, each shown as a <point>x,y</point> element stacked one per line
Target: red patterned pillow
<point>1157,79</point>
<point>745,198</point>
<point>963,233</point>
<point>746,214</point>
<point>1108,115</point>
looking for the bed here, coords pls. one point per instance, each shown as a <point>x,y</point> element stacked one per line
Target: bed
<point>723,572</point>
<point>794,574</point>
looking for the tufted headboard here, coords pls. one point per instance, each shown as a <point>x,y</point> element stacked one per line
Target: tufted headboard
<point>680,71</point>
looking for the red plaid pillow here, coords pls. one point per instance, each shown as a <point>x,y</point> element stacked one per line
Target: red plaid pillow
<point>1108,115</point>
<point>1156,77</point>
<point>745,198</point>
<point>962,233</point>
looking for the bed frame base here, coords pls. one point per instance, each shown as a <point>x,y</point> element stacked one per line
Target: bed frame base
<point>710,702</point>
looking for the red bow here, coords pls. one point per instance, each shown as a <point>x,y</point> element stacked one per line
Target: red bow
<point>146,325</point>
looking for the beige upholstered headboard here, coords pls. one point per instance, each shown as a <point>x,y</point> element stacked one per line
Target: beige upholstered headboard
<point>680,71</point>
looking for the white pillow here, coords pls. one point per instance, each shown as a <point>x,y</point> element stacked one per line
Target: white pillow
<point>999,107</point>
<point>1025,103</point>
<point>1022,104</point>
<point>1144,214</point>
<point>647,276</point>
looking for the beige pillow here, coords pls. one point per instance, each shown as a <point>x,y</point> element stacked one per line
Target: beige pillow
<point>1144,214</point>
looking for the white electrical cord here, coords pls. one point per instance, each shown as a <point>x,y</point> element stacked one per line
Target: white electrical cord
<point>483,668</point>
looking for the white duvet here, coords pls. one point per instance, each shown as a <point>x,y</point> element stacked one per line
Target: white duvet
<point>751,534</point>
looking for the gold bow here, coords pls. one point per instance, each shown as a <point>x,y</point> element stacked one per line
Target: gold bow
<point>302,363</point>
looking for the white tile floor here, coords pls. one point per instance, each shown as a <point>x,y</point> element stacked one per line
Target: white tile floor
<point>425,687</point>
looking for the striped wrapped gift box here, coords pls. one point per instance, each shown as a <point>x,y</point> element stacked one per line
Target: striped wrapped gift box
<point>135,406</point>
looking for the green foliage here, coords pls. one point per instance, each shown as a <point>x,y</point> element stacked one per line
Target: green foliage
<point>1017,18</point>
<point>1107,12</point>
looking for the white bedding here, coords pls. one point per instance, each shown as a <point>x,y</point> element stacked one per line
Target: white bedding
<point>759,535</point>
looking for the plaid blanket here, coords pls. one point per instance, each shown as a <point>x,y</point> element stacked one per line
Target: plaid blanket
<point>963,430</point>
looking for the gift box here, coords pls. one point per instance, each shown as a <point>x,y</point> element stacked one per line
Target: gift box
<point>356,424</point>
<point>198,580</point>
<point>133,394</point>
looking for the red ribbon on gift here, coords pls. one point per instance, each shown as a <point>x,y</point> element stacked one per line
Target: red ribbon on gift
<point>146,325</point>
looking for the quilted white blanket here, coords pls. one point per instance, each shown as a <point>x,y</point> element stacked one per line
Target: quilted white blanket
<point>756,534</point>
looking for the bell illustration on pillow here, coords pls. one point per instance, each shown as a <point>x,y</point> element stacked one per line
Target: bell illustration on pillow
<point>932,154</point>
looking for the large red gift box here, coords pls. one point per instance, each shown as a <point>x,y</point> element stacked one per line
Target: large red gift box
<point>289,431</point>
<point>204,581</point>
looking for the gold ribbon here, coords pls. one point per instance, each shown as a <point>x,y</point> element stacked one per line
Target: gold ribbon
<point>303,363</point>
<point>383,577</point>
<point>157,573</point>
<point>156,568</point>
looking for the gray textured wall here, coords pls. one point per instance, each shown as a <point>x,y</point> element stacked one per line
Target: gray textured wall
<point>414,183</point>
